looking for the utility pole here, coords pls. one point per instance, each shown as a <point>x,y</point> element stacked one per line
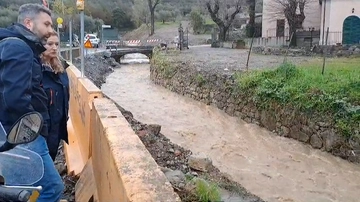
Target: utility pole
<point>80,4</point>
<point>62,7</point>
<point>70,39</point>
<point>59,21</point>
<point>70,30</point>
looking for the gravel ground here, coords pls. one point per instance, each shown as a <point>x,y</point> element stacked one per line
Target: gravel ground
<point>69,181</point>
<point>213,58</point>
<point>97,68</point>
<point>220,59</point>
<point>166,33</point>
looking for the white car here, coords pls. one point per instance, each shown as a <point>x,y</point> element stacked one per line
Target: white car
<point>93,39</point>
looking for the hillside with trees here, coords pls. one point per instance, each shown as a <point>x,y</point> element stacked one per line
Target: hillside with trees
<point>127,15</point>
<point>122,14</point>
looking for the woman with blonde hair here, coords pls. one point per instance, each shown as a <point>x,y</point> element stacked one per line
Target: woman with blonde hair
<point>56,85</point>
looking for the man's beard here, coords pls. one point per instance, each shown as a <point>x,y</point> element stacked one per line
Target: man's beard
<point>36,31</point>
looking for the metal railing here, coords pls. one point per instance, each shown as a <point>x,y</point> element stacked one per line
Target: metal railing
<point>274,33</point>
<point>333,38</point>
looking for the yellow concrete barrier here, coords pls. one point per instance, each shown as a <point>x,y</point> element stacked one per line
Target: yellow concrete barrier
<point>112,162</point>
<point>124,169</point>
<point>82,93</point>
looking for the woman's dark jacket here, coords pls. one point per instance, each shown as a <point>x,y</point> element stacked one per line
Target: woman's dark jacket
<point>56,87</point>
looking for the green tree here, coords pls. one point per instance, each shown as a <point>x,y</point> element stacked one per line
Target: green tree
<point>197,21</point>
<point>61,8</point>
<point>7,16</point>
<point>121,19</point>
<point>223,13</point>
<point>164,16</point>
<point>294,13</point>
<point>141,14</point>
<point>152,6</point>
<point>65,9</point>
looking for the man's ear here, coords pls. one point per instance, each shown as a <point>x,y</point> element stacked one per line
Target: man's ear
<point>28,23</point>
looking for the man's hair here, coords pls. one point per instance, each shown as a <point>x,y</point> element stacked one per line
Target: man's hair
<point>31,10</point>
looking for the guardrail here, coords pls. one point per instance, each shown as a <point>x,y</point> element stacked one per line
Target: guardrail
<point>65,52</point>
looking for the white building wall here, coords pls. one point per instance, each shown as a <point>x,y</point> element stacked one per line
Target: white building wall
<point>271,14</point>
<point>336,11</point>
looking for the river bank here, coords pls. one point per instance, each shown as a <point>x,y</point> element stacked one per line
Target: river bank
<point>293,102</point>
<point>272,167</point>
<point>172,158</point>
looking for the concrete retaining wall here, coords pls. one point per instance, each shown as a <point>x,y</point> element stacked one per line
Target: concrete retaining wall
<point>104,151</point>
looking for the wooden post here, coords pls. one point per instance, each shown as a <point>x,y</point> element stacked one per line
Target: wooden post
<point>324,54</point>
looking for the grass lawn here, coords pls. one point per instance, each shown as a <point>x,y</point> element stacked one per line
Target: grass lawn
<point>336,93</point>
<point>209,21</point>
<point>341,77</point>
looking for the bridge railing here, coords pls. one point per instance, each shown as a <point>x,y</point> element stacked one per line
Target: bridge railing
<point>113,44</point>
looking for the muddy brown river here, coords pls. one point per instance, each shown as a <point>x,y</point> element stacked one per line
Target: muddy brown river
<point>274,168</point>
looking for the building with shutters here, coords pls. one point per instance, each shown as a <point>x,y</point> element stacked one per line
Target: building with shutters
<point>342,17</point>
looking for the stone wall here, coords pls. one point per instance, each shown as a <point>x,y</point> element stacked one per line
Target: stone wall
<point>217,89</point>
<point>330,51</point>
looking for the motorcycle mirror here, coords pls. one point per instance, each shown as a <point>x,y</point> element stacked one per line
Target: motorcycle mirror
<point>26,129</point>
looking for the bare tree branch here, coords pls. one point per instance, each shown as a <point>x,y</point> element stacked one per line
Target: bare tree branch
<point>292,10</point>
<point>152,5</point>
<point>223,13</point>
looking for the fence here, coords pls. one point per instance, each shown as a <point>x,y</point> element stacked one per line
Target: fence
<point>271,41</point>
<point>275,33</point>
<point>333,38</point>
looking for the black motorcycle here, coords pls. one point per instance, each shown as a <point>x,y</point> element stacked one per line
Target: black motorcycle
<point>20,167</point>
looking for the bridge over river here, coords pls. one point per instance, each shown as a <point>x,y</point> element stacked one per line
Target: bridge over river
<point>120,52</point>
<point>276,169</point>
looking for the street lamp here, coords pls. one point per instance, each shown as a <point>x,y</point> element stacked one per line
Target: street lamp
<point>311,30</point>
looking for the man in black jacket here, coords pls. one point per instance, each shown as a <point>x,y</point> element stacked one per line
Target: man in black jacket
<point>20,85</point>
